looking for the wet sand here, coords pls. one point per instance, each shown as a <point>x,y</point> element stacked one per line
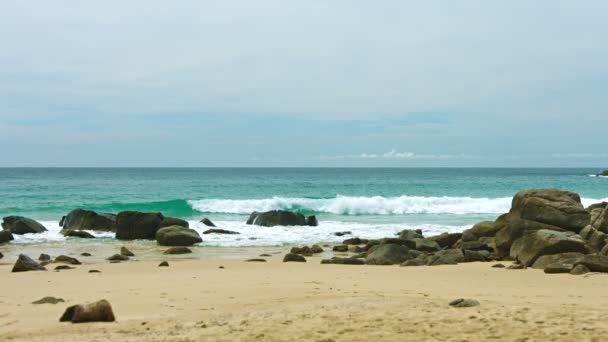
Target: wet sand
<point>195,300</point>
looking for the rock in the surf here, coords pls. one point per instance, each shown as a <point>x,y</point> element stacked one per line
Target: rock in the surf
<point>44,257</point>
<point>78,233</point>
<point>603,173</point>
<point>277,218</point>
<point>534,244</point>
<point>100,311</point>
<point>22,225</point>
<point>220,231</point>
<point>132,225</point>
<point>177,236</point>
<point>410,234</point>
<point>481,229</point>
<point>207,222</point>
<point>25,263</point>
<point>6,236</point>
<point>172,221</point>
<point>312,221</point>
<point>82,219</point>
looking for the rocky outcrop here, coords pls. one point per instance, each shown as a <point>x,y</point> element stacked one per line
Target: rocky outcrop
<point>595,263</point>
<point>410,234</point>
<point>177,236</point>
<point>100,311</point>
<point>132,225</point>
<point>25,263</point>
<point>603,173</point>
<point>279,218</point>
<point>534,244</point>
<point>388,254</point>
<point>312,221</point>
<point>22,225</point>
<point>81,219</point>
<point>6,236</point>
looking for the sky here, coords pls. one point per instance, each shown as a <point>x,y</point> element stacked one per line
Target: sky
<point>304,83</point>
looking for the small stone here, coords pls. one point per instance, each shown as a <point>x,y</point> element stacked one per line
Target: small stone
<point>221,267</point>
<point>67,260</point>
<point>163,264</point>
<point>85,254</point>
<point>498,266</point>
<point>94,271</point>
<point>64,267</point>
<point>464,303</point>
<point>342,233</point>
<point>292,257</point>
<point>265,255</point>
<point>255,260</point>
<point>126,252</point>
<point>48,300</point>
<point>178,250</point>
<point>44,257</point>
<point>118,257</point>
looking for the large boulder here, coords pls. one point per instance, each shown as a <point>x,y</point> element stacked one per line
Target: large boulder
<point>446,257</point>
<point>132,225</point>
<point>172,221</point>
<point>21,225</point>
<point>25,263</point>
<point>6,236</point>
<point>81,219</point>
<point>481,229</point>
<point>595,263</point>
<point>561,258</point>
<point>177,236</point>
<point>426,245</point>
<point>534,244</point>
<point>388,254</point>
<point>279,218</point>
<point>446,239</point>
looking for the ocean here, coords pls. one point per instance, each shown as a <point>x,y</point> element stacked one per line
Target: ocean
<point>369,202</point>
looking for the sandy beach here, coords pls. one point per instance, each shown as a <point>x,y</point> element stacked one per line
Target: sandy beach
<point>196,300</point>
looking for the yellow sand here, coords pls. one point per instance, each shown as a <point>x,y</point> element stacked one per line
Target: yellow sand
<point>194,300</point>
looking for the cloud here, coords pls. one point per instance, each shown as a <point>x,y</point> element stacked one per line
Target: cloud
<point>394,154</point>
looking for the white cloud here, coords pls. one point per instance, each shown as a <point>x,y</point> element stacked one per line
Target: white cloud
<point>394,154</point>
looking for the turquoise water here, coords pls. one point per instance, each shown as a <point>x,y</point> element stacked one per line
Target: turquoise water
<point>438,199</point>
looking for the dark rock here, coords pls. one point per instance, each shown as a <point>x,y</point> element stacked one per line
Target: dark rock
<point>474,246</point>
<point>25,263</point>
<point>255,260</point>
<point>277,218</point>
<point>265,255</point>
<point>219,231</point>
<point>85,254</point>
<point>81,219</point>
<point>603,173</point>
<point>340,248</point>
<point>291,257</point>
<point>446,257</point>
<point>172,221</point>
<point>473,256</point>
<point>599,217</point>
<point>342,233</point>
<point>498,266</point>
<point>389,254</point>
<point>579,269</point>
<point>6,236</point>
<point>178,250</point>
<point>67,260</point>
<point>354,241</point>
<point>207,222</point>
<point>44,257</point>
<point>177,236</point>
<point>21,225</point>
<point>534,244</point>
<point>516,267</point>
<point>48,300</point>
<point>560,258</point>
<point>132,225</point>
<point>481,229</point>
<point>312,221</point>
<point>100,311</point>
<point>464,303</point>
<point>126,252</point>
<point>78,233</point>
<point>343,261</point>
<point>62,221</point>
<point>414,262</point>
<point>252,217</point>
<point>558,268</point>
<point>411,244</point>
<point>446,239</point>
<point>426,245</point>
<point>163,264</point>
<point>64,267</point>
<point>595,263</point>
<point>355,249</point>
<point>410,234</point>
<point>1,255</point>
<point>315,249</point>
<point>118,257</point>
<point>94,271</point>
<point>596,240</point>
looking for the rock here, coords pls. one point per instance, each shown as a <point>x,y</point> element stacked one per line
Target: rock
<point>48,300</point>
<point>446,239</point>
<point>207,222</point>
<point>603,173</point>
<point>512,228</point>
<point>498,266</point>
<point>255,260</point>
<point>388,254</point>
<point>340,248</point>
<point>81,219</point>
<point>560,258</point>
<point>446,257</point>
<point>425,245</point>
<point>558,268</point>
<point>474,246</point>
<point>579,269</point>
<point>481,229</point>
<point>177,236</point>
<point>67,260</point>
<point>64,267</point>
<point>100,311</point>
<point>291,257</point>
<point>126,252</point>
<point>315,249</point>
<point>414,262</point>
<point>516,267</point>
<point>355,249</point>
<point>312,221</point>
<point>595,263</point>
<point>25,263</point>
<point>342,233</point>
<point>118,257</point>
<point>265,255</point>
<point>178,250</point>
<point>172,221</point>
<point>596,240</point>
<point>219,231</point>
<point>473,256</point>
<point>94,271</point>
<point>163,264</point>
<point>534,244</point>
<point>599,217</point>
<point>411,244</point>
<point>132,225</point>
<point>343,261</point>
<point>6,236</point>
<point>85,254</point>
<point>78,233</point>
<point>44,257</point>
<point>354,241</point>
<point>1,255</point>
<point>410,234</point>
<point>21,225</point>
<point>277,218</point>
<point>464,303</point>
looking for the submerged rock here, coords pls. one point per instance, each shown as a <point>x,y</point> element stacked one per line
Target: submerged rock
<point>25,263</point>
<point>81,219</point>
<point>100,311</point>
<point>22,225</point>
<point>177,236</point>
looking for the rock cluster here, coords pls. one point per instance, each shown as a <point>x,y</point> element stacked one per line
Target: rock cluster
<point>281,218</point>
